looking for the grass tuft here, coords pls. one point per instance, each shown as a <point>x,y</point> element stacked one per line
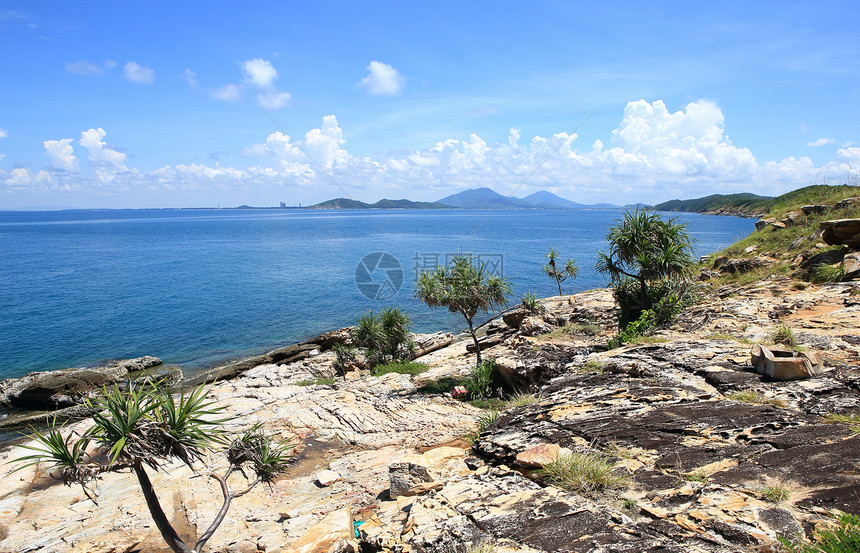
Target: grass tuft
<point>589,472</point>
<point>783,334</point>
<point>822,273</point>
<point>756,397</point>
<point>318,381</point>
<point>776,493</point>
<point>851,419</point>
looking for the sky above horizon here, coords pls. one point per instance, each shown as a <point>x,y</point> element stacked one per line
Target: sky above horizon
<point>114,105</point>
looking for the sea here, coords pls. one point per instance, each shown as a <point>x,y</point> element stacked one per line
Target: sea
<point>201,287</point>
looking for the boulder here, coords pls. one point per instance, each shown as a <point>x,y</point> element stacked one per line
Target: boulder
<point>326,478</point>
<point>333,534</point>
<point>428,343</point>
<point>815,208</point>
<point>740,266</point>
<point>828,257</point>
<point>784,364</point>
<point>419,474</point>
<point>515,318</point>
<point>138,364</point>
<point>761,224</point>
<point>841,231</point>
<point>847,202</point>
<point>538,456</point>
<point>50,390</point>
<point>852,265</point>
<point>792,218</point>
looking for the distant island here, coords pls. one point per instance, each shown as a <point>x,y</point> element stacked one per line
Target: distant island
<point>474,198</point>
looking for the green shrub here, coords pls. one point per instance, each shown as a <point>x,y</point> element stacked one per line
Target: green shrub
<point>531,304</point>
<point>822,273</point>
<point>783,334</point>
<point>481,379</point>
<point>845,538</point>
<point>384,337</point>
<point>645,324</point>
<point>399,367</point>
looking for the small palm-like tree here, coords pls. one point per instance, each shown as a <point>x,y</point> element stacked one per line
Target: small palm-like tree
<point>560,274</point>
<point>144,425</point>
<point>647,250</point>
<point>384,337</point>
<point>465,287</point>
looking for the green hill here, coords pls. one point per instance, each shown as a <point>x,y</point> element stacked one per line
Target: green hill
<point>346,203</point>
<point>740,204</point>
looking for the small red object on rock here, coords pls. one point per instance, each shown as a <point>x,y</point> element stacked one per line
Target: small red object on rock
<point>459,391</point>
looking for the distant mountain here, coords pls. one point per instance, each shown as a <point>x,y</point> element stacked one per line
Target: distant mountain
<point>548,200</point>
<point>346,203</point>
<point>745,204</point>
<point>484,198</point>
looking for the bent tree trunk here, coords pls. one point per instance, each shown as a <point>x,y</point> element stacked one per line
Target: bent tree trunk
<point>167,531</point>
<point>558,281</point>
<point>475,339</point>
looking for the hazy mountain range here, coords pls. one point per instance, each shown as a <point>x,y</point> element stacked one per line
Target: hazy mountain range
<point>474,198</point>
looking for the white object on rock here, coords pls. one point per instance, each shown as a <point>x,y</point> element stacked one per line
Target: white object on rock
<point>326,478</point>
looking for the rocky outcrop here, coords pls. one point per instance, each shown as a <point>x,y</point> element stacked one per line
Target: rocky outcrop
<point>694,432</point>
<point>842,231</point>
<point>52,390</point>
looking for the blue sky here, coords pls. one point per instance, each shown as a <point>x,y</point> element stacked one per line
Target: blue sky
<point>112,104</point>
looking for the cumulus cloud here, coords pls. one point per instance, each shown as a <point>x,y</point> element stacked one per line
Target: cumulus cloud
<point>820,142</point>
<point>61,153</point>
<point>84,67</point>
<point>382,79</point>
<point>2,133</point>
<point>259,72</point>
<point>654,154</point>
<point>190,78</point>
<point>227,93</point>
<point>137,73</point>
<point>99,152</point>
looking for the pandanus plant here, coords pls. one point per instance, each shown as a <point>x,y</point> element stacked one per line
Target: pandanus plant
<point>142,426</point>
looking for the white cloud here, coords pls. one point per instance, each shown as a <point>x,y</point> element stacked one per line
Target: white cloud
<point>83,67</point>
<point>2,133</point>
<point>61,153</point>
<point>99,151</point>
<point>191,78</point>
<point>259,72</point>
<point>137,73</point>
<point>227,93</point>
<point>382,79</point>
<point>652,155</point>
<point>821,142</point>
<point>273,99</point>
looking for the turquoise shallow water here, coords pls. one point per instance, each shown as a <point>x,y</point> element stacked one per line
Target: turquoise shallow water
<point>200,287</point>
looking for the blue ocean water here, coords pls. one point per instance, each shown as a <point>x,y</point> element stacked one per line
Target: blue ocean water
<point>200,287</point>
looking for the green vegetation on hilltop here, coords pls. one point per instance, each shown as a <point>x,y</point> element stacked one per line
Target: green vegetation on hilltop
<point>799,236</point>
<point>752,205</point>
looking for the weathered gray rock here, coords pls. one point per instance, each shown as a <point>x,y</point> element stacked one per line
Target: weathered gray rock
<point>816,208</point>
<point>852,265</point>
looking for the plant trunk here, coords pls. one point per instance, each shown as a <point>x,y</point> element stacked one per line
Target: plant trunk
<point>475,339</point>
<point>557,281</point>
<point>167,532</point>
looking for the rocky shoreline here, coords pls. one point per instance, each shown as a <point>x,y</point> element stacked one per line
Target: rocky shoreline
<point>696,435</point>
